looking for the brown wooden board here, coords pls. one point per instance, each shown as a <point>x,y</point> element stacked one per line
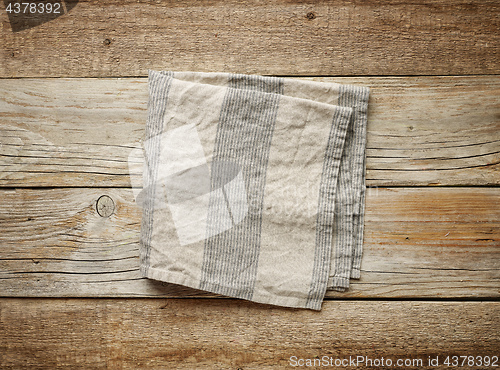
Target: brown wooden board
<point>80,132</point>
<point>126,38</point>
<point>429,285</point>
<point>231,334</point>
<point>419,242</point>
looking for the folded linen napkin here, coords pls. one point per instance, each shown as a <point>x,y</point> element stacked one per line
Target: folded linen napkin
<point>254,186</point>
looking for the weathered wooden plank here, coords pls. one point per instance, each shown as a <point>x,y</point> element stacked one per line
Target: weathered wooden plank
<point>231,334</point>
<point>79,132</point>
<point>419,242</point>
<point>125,38</point>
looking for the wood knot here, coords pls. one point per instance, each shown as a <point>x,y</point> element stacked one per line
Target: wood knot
<point>105,206</point>
<point>310,15</point>
<point>107,41</point>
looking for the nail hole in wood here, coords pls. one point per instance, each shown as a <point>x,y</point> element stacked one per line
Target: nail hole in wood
<point>107,41</point>
<point>310,15</point>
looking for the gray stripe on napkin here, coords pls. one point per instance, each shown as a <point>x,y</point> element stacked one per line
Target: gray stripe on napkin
<point>349,202</point>
<point>326,211</point>
<point>243,137</point>
<point>360,117</point>
<point>159,85</point>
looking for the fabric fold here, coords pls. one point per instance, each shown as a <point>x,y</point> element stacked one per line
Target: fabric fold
<point>253,186</point>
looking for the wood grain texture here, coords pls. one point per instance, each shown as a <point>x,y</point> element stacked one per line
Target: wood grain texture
<point>80,132</point>
<point>231,334</point>
<point>64,143</point>
<point>127,37</point>
<point>419,242</point>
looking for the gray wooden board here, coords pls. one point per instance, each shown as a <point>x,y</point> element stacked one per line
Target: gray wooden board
<point>80,132</point>
<point>419,242</point>
<point>126,38</point>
